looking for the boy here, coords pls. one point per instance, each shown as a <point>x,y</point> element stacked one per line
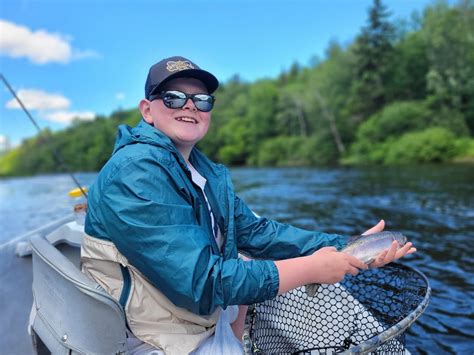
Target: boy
<point>164,228</point>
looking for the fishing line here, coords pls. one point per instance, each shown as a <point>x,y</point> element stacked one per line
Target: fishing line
<point>56,155</point>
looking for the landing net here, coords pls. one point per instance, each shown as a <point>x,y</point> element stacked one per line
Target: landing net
<point>364,313</point>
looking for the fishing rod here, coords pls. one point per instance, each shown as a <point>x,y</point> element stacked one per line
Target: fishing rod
<point>55,153</point>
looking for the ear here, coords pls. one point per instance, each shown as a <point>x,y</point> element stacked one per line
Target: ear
<point>145,109</point>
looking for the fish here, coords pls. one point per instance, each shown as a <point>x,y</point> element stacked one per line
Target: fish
<point>366,248</point>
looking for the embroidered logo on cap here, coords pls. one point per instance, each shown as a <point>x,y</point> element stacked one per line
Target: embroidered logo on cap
<point>178,65</point>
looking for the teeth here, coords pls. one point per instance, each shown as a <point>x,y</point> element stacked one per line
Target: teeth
<point>186,119</point>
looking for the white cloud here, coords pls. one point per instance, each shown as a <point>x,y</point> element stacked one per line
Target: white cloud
<point>51,107</point>
<point>5,143</point>
<point>120,96</point>
<point>39,100</point>
<point>68,116</point>
<point>39,46</point>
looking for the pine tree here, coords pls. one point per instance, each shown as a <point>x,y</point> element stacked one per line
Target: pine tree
<point>372,50</point>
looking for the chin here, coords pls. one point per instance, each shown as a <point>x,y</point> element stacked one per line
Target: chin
<point>186,142</point>
<point>189,140</point>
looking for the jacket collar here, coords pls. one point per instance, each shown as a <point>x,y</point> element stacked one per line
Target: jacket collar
<point>147,134</point>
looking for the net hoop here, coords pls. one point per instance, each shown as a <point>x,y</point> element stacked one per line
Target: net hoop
<point>255,341</point>
<point>397,329</point>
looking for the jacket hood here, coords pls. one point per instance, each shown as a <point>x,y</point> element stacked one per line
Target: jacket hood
<point>142,133</point>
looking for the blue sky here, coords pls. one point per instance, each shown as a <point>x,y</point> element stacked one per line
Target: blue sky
<point>88,58</point>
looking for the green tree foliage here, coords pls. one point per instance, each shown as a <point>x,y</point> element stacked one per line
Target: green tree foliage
<point>408,68</point>
<point>295,151</point>
<point>382,129</point>
<point>328,90</point>
<point>449,36</point>
<point>434,144</point>
<point>84,146</point>
<point>231,105</point>
<point>400,93</point>
<point>385,126</point>
<point>373,52</point>
<point>394,120</point>
<point>260,119</point>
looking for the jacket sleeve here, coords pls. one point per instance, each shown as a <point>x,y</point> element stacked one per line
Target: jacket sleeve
<point>264,238</point>
<point>150,220</point>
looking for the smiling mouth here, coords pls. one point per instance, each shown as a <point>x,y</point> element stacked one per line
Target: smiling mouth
<point>186,119</point>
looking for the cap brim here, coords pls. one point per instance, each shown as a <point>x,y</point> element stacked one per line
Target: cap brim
<point>209,80</point>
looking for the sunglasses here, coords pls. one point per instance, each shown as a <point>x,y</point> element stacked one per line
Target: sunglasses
<point>177,99</point>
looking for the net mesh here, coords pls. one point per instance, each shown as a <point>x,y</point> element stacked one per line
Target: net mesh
<point>338,316</point>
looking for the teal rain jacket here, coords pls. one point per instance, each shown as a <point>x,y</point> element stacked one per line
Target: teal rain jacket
<point>145,202</point>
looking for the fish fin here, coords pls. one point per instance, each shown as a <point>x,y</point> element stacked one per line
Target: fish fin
<point>369,261</point>
<point>311,289</point>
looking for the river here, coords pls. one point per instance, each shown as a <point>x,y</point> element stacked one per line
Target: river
<point>432,205</point>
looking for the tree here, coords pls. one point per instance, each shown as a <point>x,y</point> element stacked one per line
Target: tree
<point>327,91</point>
<point>291,114</point>
<point>449,34</point>
<point>373,50</point>
<point>408,68</point>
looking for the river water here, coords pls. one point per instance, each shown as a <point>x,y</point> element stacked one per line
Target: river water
<point>432,205</point>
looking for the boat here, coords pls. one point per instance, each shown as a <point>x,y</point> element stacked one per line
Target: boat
<point>54,308</point>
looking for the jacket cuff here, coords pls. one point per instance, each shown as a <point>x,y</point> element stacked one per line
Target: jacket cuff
<point>340,241</point>
<point>332,240</point>
<point>273,281</point>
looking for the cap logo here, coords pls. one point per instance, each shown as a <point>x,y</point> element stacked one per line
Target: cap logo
<point>178,65</point>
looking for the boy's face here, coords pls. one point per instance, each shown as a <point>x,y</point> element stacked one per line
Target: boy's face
<point>184,126</point>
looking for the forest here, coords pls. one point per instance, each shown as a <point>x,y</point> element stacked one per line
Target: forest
<point>401,93</point>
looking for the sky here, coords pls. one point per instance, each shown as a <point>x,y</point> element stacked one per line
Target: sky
<point>83,58</point>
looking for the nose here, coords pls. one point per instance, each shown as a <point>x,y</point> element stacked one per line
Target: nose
<point>189,105</point>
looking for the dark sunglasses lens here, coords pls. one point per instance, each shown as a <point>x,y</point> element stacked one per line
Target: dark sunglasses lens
<point>203,102</point>
<point>174,99</point>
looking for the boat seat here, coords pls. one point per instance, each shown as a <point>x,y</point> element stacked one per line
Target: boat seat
<point>71,314</point>
<point>63,231</point>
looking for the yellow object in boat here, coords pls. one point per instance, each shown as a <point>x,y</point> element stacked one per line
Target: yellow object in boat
<point>77,192</point>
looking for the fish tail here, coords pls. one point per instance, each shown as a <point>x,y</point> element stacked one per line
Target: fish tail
<point>311,289</point>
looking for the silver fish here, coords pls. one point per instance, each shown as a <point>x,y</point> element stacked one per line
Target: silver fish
<point>366,248</point>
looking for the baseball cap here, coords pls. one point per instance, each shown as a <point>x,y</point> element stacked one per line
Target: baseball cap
<point>177,67</point>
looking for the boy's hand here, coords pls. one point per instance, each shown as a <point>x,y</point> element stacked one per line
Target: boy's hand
<point>389,255</point>
<point>375,229</point>
<point>330,266</point>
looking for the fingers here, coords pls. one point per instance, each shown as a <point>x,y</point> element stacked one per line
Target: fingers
<point>391,252</point>
<point>353,271</point>
<point>403,250</point>
<point>375,229</point>
<point>389,255</point>
<point>379,261</point>
<point>406,249</point>
<point>356,263</point>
